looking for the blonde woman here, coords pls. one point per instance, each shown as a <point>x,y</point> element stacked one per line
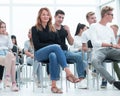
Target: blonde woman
<point>7,58</point>
<point>46,46</point>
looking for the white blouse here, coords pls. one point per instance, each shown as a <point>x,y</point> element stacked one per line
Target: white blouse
<point>77,45</point>
<point>5,42</point>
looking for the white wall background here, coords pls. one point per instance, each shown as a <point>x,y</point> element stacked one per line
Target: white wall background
<point>20,15</point>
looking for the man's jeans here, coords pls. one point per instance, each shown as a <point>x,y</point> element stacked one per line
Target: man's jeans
<point>78,59</point>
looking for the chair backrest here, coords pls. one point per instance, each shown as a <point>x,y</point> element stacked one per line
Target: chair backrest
<point>89,43</point>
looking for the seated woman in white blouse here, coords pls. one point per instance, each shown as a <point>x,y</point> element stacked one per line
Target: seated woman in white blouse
<point>77,46</point>
<point>7,58</point>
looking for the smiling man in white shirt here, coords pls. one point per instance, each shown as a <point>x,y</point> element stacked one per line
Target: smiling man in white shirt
<point>104,44</point>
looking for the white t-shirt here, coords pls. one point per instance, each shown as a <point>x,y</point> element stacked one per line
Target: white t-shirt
<point>100,34</point>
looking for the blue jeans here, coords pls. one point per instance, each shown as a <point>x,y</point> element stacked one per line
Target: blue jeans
<point>78,59</point>
<point>3,52</point>
<point>56,58</point>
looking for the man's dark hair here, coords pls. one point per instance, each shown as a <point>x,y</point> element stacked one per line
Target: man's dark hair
<point>59,12</point>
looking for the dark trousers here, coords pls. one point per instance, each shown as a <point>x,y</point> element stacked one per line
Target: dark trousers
<point>117,69</point>
<point>1,72</point>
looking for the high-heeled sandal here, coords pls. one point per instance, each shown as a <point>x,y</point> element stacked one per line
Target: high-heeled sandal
<point>72,78</point>
<point>14,87</point>
<point>56,90</point>
<point>7,83</point>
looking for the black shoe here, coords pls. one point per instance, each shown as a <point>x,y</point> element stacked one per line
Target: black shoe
<point>104,84</point>
<point>94,73</point>
<point>117,84</point>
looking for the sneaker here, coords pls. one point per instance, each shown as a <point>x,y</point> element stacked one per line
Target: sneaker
<point>0,85</point>
<point>117,84</point>
<point>82,84</point>
<point>104,83</point>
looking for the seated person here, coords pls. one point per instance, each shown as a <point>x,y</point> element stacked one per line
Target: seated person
<point>64,33</point>
<point>7,59</point>
<point>115,65</point>
<point>46,46</point>
<point>1,75</point>
<point>104,44</point>
<point>29,52</point>
<point>16,50</point>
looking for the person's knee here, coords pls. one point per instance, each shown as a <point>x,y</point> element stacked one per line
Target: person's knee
<point>94,61</point>
<point>10,55</point>
<point>52,55</point>
<point>56,46</point>
<point>78,57</point>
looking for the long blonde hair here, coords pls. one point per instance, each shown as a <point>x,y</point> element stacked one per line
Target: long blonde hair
<point>39,23</point>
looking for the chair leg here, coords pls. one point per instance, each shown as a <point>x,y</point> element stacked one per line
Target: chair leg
<point>87,79</point>
<point>113,72</point>
<point>26,76</point>
<point>75,73</point>
<point>68,83</point>
<point>18,75</point>
<point>33,82</point>
<point>61,78</point>
<point>97,81</point>
<point>41,76</point>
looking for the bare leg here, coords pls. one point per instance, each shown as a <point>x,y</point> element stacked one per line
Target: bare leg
<point>10,70</point>
<point>68,72</point>
<point>53,83</point>
<point>8,63</point>
<point>54,88</point>
<point>13,71</point>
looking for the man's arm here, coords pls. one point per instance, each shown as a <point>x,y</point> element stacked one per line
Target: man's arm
<point>69,37</point>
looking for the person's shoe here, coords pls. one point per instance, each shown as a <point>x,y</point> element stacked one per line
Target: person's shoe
<point>14,87</point>
<point>117,84</point>
<point>94,73</point>
<point>56,90</point>
<point>0,85</point>
<point>82,84</point>
<point>72,78</point>
<point>104,84</point>
<point>7,83</point>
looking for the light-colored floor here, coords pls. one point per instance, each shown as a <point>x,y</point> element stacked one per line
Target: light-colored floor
<point>72,92</point>
<point>26,88</point>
